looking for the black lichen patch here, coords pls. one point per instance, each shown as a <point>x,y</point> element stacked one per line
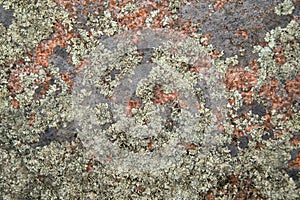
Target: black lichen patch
<point>60,60</point>
<point>59,51</point>
<point>233,150</point>
<point>269,135</point>
<point>47,137</point>
<point>52,134</point>
<point>258,109</point>
<point>6,16</point>
<point>294,172</point>
<point>243,142</point>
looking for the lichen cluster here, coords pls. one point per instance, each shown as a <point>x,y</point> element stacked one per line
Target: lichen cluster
<point>280,58</point>
<point>31,23</point>
<point>148,115</point>
<point>172,111</point>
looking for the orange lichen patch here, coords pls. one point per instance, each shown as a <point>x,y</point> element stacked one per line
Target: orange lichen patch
<point>144,10</point>
<point>132,104</point>
<point>244,131</point>
<point>209,196</point>
<point>234,179</point>
<point>139,189</point>
<point>164,98</point>
<point>15,103</point>
<point>259,145</point>
<point>295,163</point>
<point>270,92</point>
<point>66,78</point>
<point>150,145</point>
<point>137,18</point>
<point>238,132</point>
<point>215,54</point>
<point>19,67</point>
<point>220,4</point>
<point>279,55</point>
<point>81,65</point>
<point>41,56</point>
<point>22,144</point>
<point>189,146</point>
<point>242,33</point>
<point>268,122</point>
<point>70,6</point>
<point>280,103</point>
<point>89,167</point>
<point>295,141</point>
<point>243,81</point>
<point>185,27</point>
<point>14,83</point>
<point>292,87</point>
<point>45,50</point>
<point>31,119</point>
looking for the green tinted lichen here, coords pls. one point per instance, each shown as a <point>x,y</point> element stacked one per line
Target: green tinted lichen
<point>99,25</point>
<point>65,170</point>
<point>174,5</point>
<point>285,8</point>
<point>284,39</point>
<point>43,173</point>
<point>32,23</point>
<point>51,110</point>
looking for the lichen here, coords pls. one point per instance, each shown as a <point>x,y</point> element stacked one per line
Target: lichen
<point>31,24</point>
<point>141,85</point>
<point>119,74</point>
<point>283,44</point>
<point>284,8</point>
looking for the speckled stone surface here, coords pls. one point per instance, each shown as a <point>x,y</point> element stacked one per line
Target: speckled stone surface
<point>105,99</point>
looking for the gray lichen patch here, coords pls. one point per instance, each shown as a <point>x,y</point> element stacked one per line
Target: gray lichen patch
<point>155,108</point>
